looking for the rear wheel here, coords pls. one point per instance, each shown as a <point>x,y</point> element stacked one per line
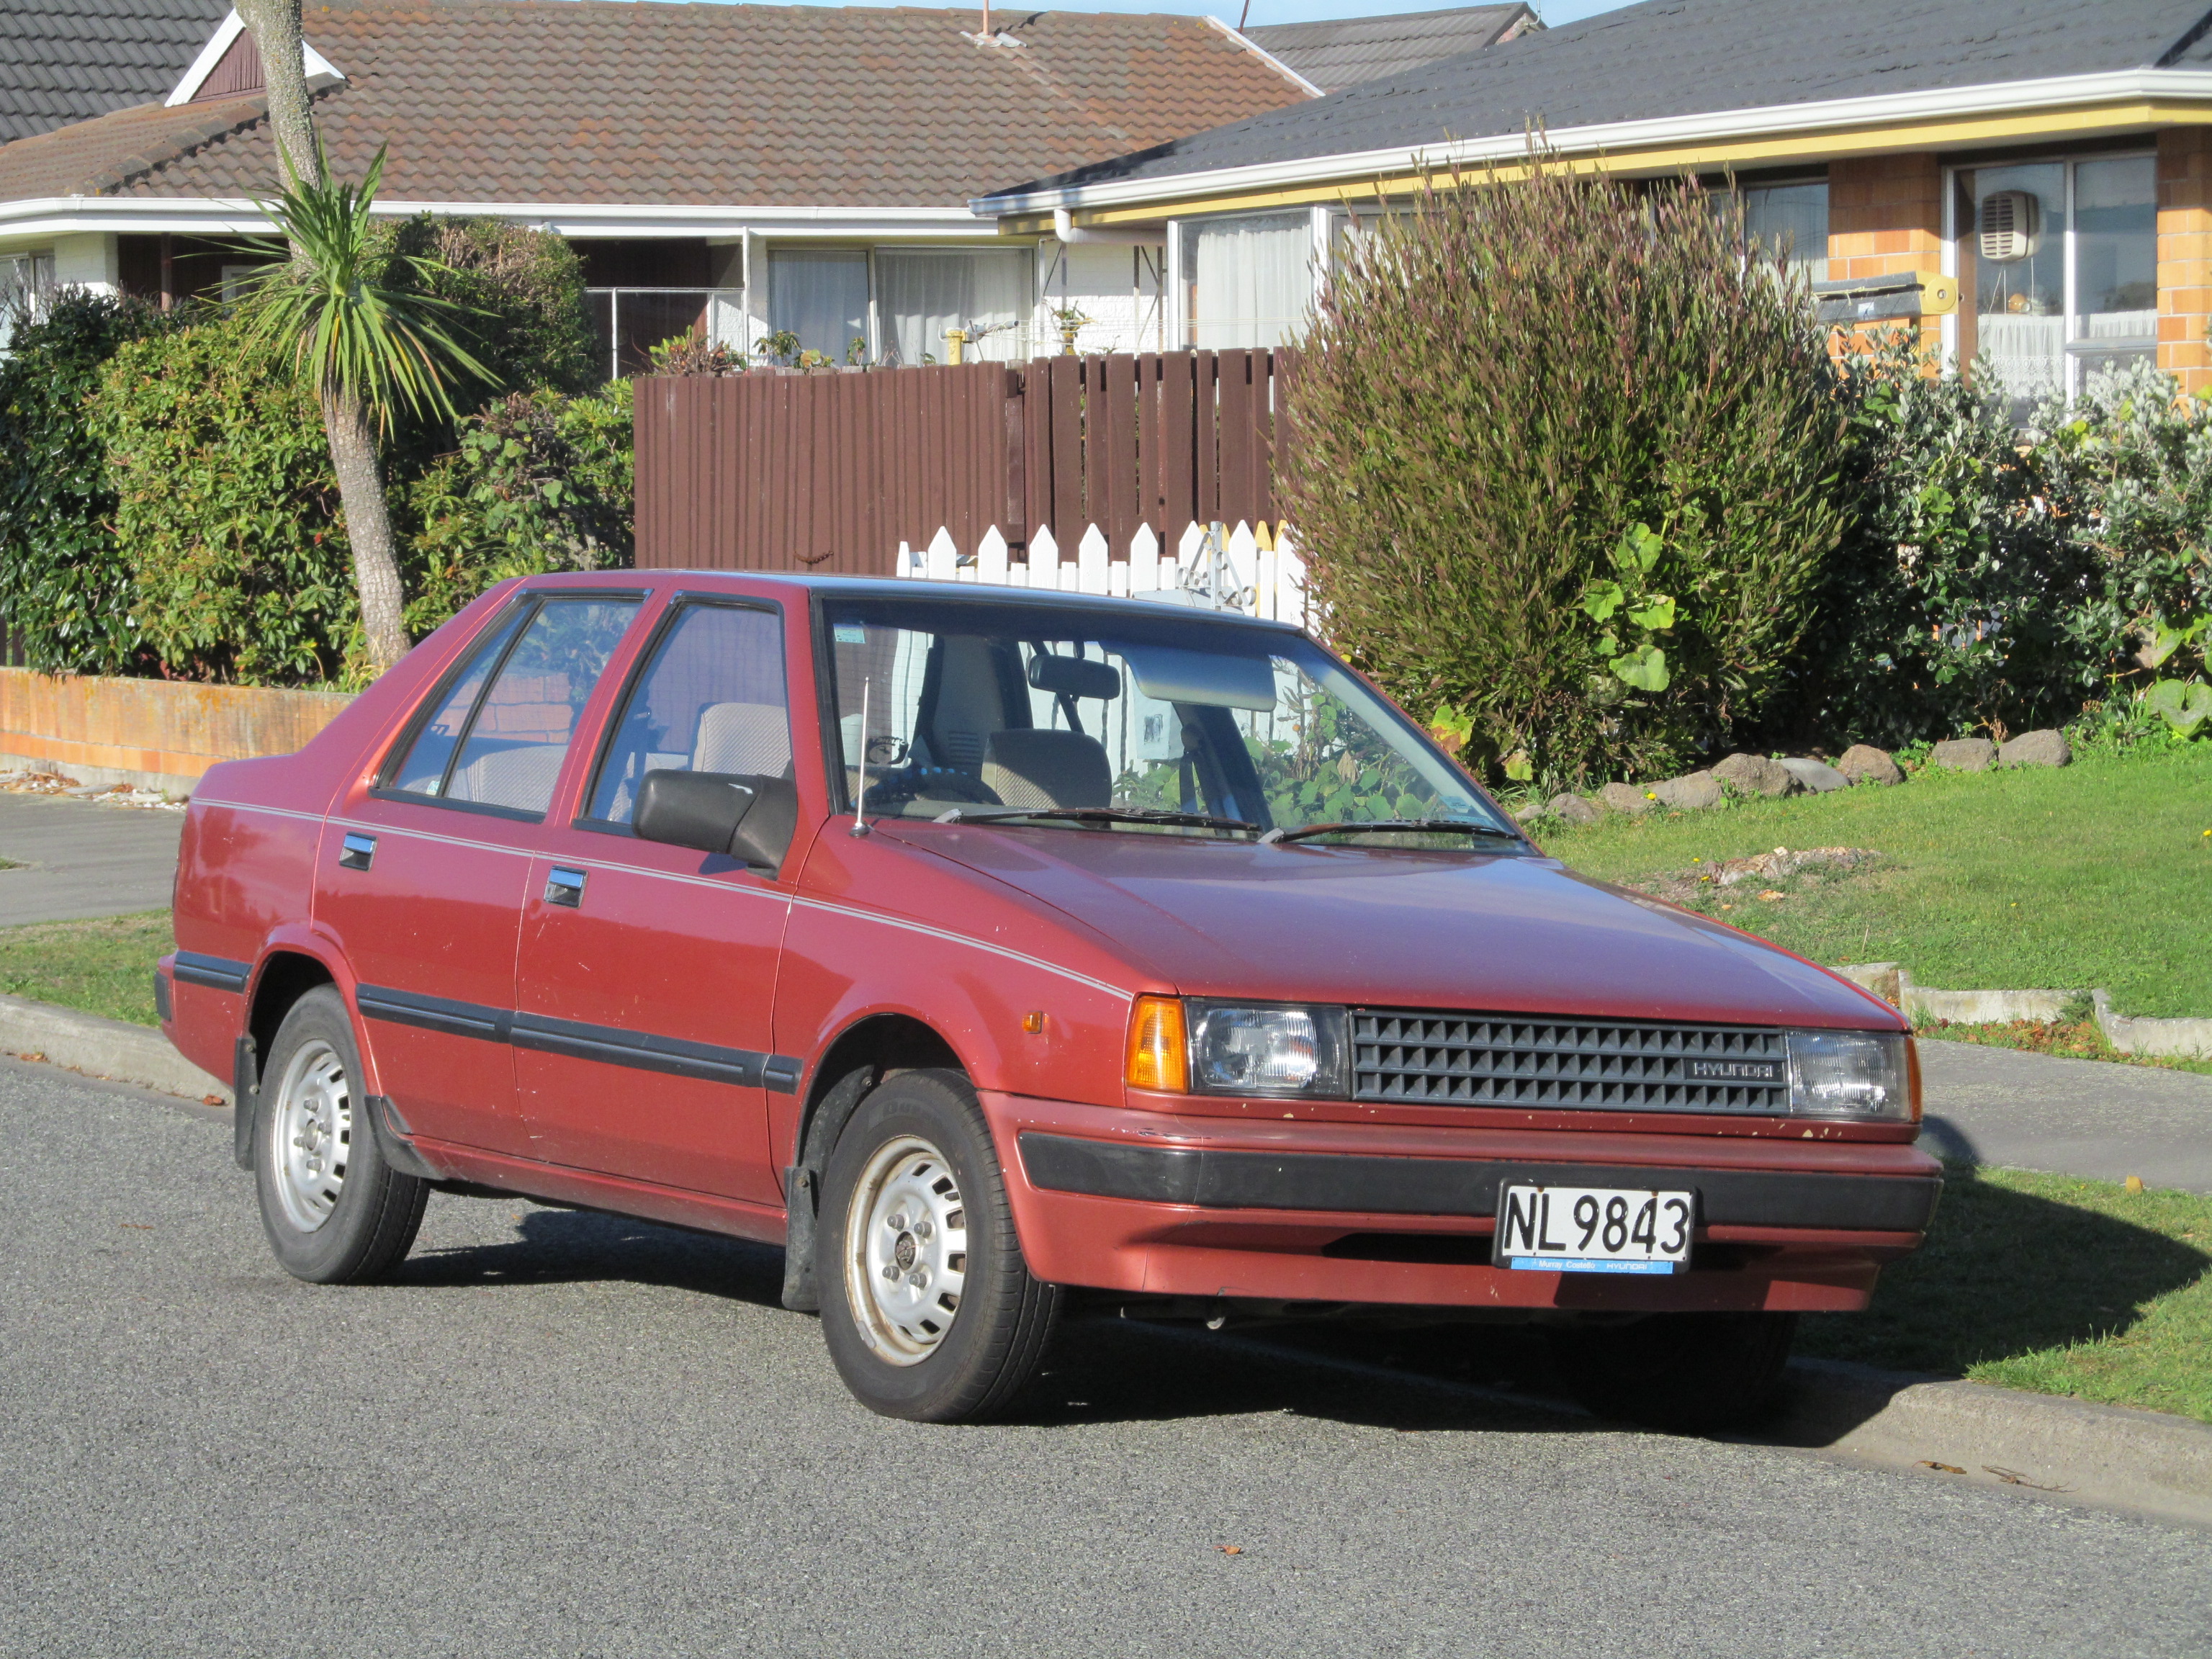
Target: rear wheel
<point>928,1309</point>
<point>1689,1372</point>
<point>334,1212</point>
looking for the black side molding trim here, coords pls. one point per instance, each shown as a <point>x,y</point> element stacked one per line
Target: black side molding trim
<point>468,1020</point>
<point>164,1004</point>
<point>614,1045</point>
<point>1437,1185</point>
<point>216,973</point>
<point>671,1056</point>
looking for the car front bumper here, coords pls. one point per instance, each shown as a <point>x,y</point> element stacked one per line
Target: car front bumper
<point>1240,1210</point>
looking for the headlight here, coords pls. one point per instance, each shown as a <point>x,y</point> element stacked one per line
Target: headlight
<point>1866,1075</point>
<point>1266,1050</point>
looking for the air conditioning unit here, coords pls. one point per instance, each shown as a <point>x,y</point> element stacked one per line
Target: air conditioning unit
<point>2009,222</point>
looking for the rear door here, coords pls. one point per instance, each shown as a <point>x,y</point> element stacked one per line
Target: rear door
<point>646,973</point>
<point>422,871</point>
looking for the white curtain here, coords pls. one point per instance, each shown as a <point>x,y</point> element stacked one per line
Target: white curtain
<point>1791,220</point>
<point>1251,280</point>
<point>925,292</point>
<point>822,297</point>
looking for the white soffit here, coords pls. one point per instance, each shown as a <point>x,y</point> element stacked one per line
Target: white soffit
<point>226,34</point>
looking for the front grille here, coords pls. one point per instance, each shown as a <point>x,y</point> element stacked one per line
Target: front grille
<point>1619,1066</point>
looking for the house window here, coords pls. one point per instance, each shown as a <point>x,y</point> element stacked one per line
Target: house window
<point>1246,281</point>
<point>1790,222</point>
<point>2061,258</point>
<point>820,294</point>
<point>26,286</point>
<point>922,293</point>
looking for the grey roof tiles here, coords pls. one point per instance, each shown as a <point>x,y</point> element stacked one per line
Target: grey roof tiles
<point>1345,51</point>
<point>1675,58</point>
<point>70,60</point>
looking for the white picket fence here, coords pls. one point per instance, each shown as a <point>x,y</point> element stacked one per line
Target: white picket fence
<point>1258,572</point>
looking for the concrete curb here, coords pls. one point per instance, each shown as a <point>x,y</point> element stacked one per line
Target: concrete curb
<point>2162,1039</point>
<point>2148,1462</point>
<point>110,1049</point>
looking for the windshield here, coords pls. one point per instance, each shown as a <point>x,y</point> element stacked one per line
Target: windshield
<point>1117,720</point>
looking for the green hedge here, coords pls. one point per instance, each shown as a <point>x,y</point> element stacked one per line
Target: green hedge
<point>1565,466</point>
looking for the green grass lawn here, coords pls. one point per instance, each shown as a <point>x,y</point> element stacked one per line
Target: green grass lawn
<point>2097,873</point>
<point>2051,1284</point>
<point>103,967</point>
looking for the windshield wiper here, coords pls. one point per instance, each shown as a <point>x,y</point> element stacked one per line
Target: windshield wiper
<point>1099,815</point>
<point>1464,826</point>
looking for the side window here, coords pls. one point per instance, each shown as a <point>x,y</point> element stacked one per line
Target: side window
<point>710,699</point>
<point>500,737</point>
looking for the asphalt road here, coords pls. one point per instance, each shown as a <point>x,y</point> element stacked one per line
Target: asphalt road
<point>83,859</point>
<point>565,1434</point>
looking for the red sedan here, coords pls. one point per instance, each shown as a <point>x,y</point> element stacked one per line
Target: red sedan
<point>1006,954</point>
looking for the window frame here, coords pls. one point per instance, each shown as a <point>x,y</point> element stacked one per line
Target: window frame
<point>1956,259</point>
<point>531,600</point>
<point>648,652</point>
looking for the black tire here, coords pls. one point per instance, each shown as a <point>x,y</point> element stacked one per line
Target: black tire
<point>919,1140</point>
<point>1686,1372</point>
<point>368,1211</point>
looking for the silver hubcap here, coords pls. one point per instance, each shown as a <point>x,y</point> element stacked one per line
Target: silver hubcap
<point>907,1250</point>
<point>312,1130</point>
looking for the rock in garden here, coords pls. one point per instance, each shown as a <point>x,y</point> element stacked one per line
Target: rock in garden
<point>1755,775</point>
<point>1694,792</point>
<point>1573,809</point>
<point>1818,776</point>
<point>1626,797</point>
<point>2036,749</point>
<point>1864,763</point>
<point>1964,755</point>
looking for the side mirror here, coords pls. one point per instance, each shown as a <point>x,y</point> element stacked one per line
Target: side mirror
<point>740,815</point>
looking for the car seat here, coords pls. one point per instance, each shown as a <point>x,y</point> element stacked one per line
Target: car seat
<point>751,739</point>
<point>1047,768</point>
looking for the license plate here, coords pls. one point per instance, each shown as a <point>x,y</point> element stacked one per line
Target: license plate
<point>1594,1230</point>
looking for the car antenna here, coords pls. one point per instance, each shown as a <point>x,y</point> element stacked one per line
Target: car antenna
<point>861,796</point>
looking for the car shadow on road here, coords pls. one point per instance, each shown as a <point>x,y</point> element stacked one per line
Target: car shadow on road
<point>558,1247</point>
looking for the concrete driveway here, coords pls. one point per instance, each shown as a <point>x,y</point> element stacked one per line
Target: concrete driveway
<point>83,859</point>
<point>2084,1117</point>
<point>556,1433</point>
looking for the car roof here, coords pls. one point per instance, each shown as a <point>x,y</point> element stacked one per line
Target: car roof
<point>906,589</point>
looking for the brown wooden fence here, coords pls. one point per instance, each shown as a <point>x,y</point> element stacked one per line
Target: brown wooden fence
<point>832,470</point>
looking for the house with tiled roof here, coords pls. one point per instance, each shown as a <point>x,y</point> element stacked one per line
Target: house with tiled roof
<point>737,169</point>
<point>1343,52</point>
<point>2029,183</point>
<point>70,60</point>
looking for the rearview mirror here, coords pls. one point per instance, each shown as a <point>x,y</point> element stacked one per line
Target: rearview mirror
<point>739,815</point>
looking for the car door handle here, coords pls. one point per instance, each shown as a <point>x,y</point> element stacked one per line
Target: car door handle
<point>564,887</point>
<point>358,853</point>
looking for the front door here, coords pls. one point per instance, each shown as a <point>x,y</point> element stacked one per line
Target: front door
<point>646,973</point>
<point>424,868</point>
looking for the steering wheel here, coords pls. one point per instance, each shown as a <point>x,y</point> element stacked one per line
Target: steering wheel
<point>944,783</point>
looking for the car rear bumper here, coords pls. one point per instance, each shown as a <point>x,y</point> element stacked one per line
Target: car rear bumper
<point>1244,1210</point>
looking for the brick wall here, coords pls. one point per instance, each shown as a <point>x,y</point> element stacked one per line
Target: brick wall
<point>2184,254</point>
<point>1885,215</point>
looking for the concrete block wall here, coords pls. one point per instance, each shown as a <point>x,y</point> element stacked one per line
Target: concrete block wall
<point>1886,216</point>
<point>162,734</point>
<point>2184,255</point>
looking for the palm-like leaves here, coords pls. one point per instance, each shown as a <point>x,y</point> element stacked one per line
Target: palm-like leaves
<point>356,339</point>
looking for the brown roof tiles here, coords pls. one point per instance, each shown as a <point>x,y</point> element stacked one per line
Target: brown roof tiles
<point>593,101</point>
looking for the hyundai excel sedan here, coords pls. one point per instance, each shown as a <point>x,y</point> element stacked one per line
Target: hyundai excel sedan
<point>1003,955</point>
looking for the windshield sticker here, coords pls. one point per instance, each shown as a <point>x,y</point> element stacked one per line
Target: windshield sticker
<point>851,634</point>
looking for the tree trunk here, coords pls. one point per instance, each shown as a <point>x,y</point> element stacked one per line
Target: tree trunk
<point>368,528</point>
<point>274,25</point>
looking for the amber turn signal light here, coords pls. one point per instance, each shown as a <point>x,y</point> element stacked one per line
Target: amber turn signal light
<point>1159,1059</point>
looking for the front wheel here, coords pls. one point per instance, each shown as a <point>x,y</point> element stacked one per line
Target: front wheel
<point>928,1309</point>
<point>1689,1372</point>
<point>334,1212</point>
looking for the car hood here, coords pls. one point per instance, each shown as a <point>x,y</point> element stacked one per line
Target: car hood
<point>1398,928</point>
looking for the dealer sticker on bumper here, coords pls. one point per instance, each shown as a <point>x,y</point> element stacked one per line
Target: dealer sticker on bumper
<point>1594,1230</point>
